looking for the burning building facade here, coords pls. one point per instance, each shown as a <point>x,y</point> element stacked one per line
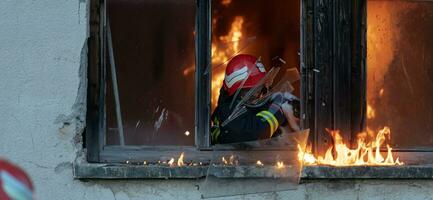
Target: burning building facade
<point>150,71</point>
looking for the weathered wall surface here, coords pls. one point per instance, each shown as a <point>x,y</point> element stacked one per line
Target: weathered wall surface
<point>42,105</point>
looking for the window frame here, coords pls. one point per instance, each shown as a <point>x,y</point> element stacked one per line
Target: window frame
<point>318,90</point>
<point>95,132</point>
<point>202,151</point>
<point>334,44</point>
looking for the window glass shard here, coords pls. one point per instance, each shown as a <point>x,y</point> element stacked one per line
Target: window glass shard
<point>245,168</point>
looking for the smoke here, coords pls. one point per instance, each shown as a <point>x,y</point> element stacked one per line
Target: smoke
<point>383,34</point>
<point>399,70</point>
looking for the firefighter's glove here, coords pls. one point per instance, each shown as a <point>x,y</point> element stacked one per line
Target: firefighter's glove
<point>277,101</point>
<point>294,102</point>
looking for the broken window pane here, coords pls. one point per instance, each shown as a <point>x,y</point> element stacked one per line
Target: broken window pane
<point>257,171</point>
<point>153,44</point>
<point>400,71</point>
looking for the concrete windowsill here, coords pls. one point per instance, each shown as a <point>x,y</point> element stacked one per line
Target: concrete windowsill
<point>133,171</point>
<point>369,172</point>
<point>84,170</point>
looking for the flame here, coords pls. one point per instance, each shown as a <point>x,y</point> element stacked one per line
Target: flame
<point>180,160</point>
<point>224,161</point>
<point>223,48</point>
<point>365,154</point>
<point>280,165</point>
<point>187,133</point>
<point>226,2</point>
<point>234,35</point>
<point>171,162</point>
<point>382,36</point>
<point>306,156</point>
<point>371,113</point>
<point>381,92</point>
<point>188,70</point>
<point>231,160</point>
<point>259,163</point>
<point>217,81</point>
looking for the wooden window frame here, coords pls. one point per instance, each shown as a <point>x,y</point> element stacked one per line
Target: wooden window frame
<point>95,131</point>
<point>97,152</point>
<point>333,81</point>
<point>334,75</point>
<point>333,52</point>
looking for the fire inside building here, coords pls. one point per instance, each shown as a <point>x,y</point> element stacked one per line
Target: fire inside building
<point>356,87</point>
<point>361,73</point>
<point>236,92</point>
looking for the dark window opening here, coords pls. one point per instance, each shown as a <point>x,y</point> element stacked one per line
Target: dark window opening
<point>153,44</point>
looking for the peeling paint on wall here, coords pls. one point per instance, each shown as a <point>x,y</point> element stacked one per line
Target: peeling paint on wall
<point>74,123</point>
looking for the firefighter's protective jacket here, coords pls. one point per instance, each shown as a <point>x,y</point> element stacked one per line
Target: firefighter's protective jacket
<point>255,124</point>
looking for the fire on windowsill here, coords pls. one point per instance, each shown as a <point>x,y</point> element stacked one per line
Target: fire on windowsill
<point>85,170</point>
<point>367,153</point>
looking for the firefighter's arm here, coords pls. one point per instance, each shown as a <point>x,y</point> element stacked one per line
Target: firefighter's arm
<point>252,125</point>
<point>272,117</point>
<point>290,109</point>
<point>290,116</point>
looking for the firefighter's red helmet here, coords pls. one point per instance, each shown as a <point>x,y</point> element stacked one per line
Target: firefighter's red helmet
<point>14,182</point>
<point>238,69</point>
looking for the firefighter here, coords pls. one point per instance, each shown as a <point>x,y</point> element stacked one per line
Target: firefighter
<point>244,72</point>
<point>14,182</point>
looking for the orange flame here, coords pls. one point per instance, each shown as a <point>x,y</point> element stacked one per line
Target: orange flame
<point>231,161</point>
<point>171,162</point>
<point>188,70</point>
<point>180,160</point>
<point>280,165</point>
<point>364,154</point>
<point>371,113</point>
<point>382,35</point>
<point>226,2</point>
<point>224,160</point>
<point>223,48</point>
<point>259,163</point>
<point>306,156</point>
<point>381,92</point>
<point>187,133</point>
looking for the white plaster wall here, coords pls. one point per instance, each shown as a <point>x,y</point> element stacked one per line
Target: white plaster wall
<point>40,54</point>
